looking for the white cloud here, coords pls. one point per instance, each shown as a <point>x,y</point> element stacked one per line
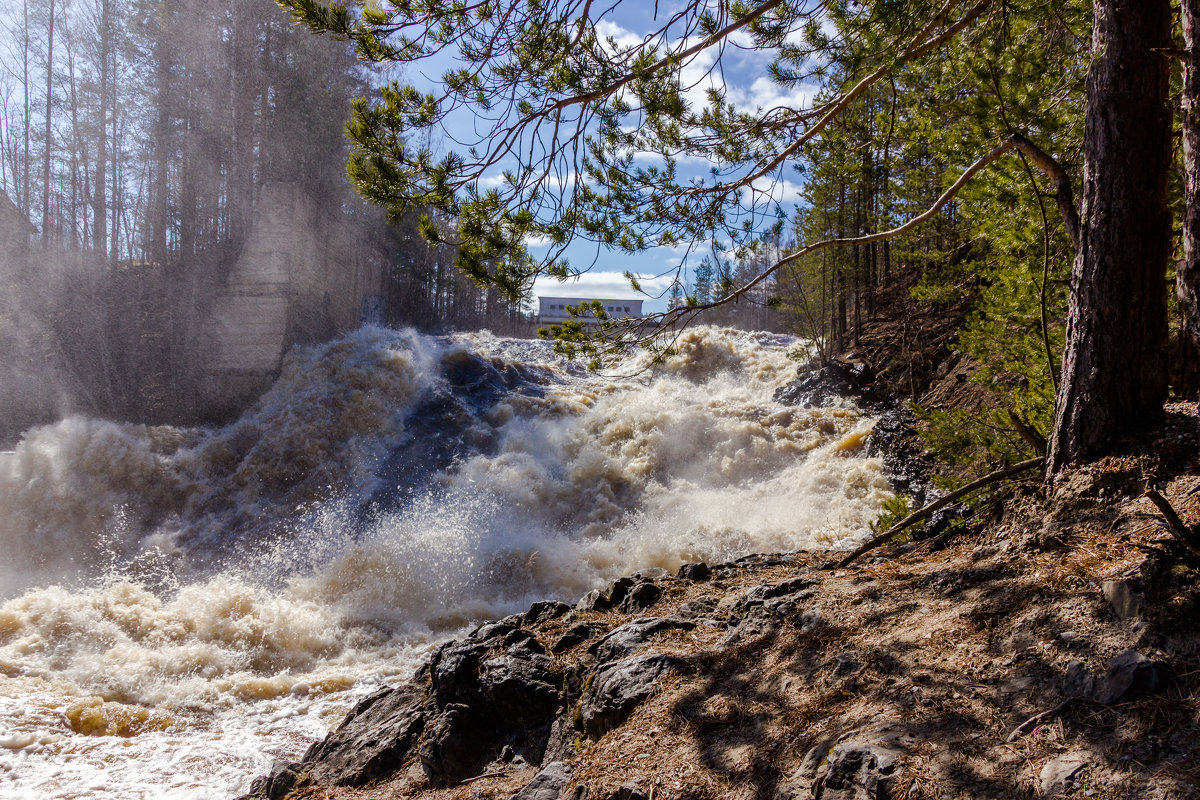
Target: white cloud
<point>601,285</point>
<point>765,94</point>
<point>624,38</point>
<point>780,190</point>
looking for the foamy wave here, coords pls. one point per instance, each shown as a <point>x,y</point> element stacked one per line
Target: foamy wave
<point>198,593</point>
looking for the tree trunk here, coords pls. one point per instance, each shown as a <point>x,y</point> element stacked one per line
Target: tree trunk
<point>49,130</point>
<point>1187,276</point>
<point>99,194</point>
<point>1114,376</point>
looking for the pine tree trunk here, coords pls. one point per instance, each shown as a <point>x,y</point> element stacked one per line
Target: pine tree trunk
<point>1188,274</point>
<point>1114,367</point>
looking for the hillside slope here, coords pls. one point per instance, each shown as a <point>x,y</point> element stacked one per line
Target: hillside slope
<point>1054,650</point>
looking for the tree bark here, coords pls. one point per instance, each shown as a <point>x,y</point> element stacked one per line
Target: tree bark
<point>1114,376</point>
<point>99,194</point>
<point>1187,276</point>
<point>49,142</point>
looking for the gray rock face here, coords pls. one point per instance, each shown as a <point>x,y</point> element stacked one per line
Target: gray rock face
<point>547,784</point>
<point>858,771</point>
<point>769,606</point>
<point>376,738</point>
<point>694,572</point>
<point>862,766</point>
<point>1078,682</point>
<point>1060,775</point>
<point>606,599</point>
<point>1124,597</point>
<point>1131,676</point>
<point>623,640</point>
<point>544,611</point>
<point>641,596</point>
<point>619,687</point>
<point>575,635</point>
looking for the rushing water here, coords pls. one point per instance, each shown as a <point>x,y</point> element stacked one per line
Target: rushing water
<point>181,607</point>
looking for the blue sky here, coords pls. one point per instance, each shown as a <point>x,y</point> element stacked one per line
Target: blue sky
<point>741,75</point>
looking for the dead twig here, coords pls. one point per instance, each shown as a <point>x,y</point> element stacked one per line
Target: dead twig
<point>481,777</point>
<point>1183,533</point>
<point>940,503</point>
<point>1031,723</point>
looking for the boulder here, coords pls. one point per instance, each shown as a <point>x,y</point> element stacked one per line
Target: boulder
<point>1131,676</point>
<point>517,687</point>
<point>547,784</point>
<point>1061,775</point>
<point>575,635</point>
<point>1124,597</point>
<point>623,640</point>
<point>860,765</point>
<point>545,611</point>
<point>606,599</point>
<point>694,572</point>
<point>641,596</point>
<point>619,687</point>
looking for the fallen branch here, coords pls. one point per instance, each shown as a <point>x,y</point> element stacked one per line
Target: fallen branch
<point>940,503</point>
<point>1185,534</point>
<point>465,781</point>
<point>1031,723</point>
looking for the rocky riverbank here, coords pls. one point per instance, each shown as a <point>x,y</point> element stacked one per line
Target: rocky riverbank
<point>1052,651</point>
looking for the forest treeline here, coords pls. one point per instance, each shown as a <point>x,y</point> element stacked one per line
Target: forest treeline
<point>135,136</point>
<point>1000,242</point>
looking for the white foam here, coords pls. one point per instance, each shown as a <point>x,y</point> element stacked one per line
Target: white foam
<point>185,605</point>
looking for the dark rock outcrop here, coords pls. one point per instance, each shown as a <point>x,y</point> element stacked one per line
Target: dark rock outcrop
<point>825,383</point>
<point>375,739</point>
<point>1131,676</point>
<point>547,784</point>
<point>619,687</point>
<point>622,641</point>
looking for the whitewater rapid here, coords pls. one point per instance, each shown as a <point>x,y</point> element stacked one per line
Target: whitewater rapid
<point>181,607</point>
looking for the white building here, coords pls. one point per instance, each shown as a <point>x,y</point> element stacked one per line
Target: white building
<point>553,310</point>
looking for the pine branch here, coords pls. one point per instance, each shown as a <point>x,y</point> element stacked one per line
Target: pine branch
<point>940,503</point>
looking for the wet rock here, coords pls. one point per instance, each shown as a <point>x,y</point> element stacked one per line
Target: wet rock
<point>619,687</point>
<point>694,572</point>
<point>753,561</point>
<point>518,685</point>
<point>575,635</point>
<point>376,738</point>
<point>640,597</point>
<point>1124,596</point>
<point>906,462</point>
<point>453,670</point>
<point>1131,676</point>
<point>284,778</point>
<point>1060,775</point>
<point>491,630</point>
<point>623,640</point>
<point>454,743</point>
<point>818,386</point>
<point>545,611</point>
<point>547,784</point>
<point>606,599</point>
